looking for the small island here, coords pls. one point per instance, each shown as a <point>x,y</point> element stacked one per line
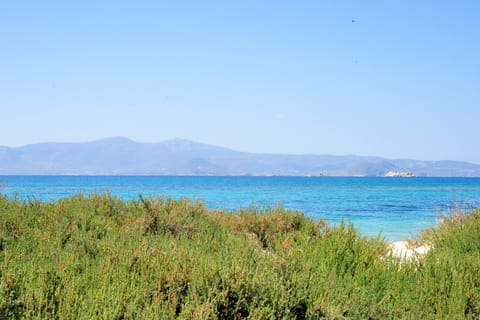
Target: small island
<point>400,174</point>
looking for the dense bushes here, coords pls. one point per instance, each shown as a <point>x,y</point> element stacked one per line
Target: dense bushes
<point>100,257</point>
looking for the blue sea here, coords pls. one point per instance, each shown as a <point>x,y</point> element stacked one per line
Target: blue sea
<point>396,208</point>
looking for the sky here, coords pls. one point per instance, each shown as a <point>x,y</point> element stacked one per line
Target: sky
<point>397,79</point>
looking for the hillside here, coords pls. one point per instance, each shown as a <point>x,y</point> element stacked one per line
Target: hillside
<point>122,156</point>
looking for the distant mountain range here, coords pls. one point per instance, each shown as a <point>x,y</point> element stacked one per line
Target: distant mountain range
<point>122,156</point>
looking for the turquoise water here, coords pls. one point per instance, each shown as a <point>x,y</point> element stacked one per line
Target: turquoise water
<point>396,207</point>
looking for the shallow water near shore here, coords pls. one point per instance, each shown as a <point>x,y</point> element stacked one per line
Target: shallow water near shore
<point>397,208</point>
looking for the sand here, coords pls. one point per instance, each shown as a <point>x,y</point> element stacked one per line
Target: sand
<point>402,250</point>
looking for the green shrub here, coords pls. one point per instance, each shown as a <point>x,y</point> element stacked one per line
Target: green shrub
<point>98,257</point>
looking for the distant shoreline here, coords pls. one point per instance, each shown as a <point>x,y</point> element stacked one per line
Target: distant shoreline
<point>234,176</point>
<point>122,156</point>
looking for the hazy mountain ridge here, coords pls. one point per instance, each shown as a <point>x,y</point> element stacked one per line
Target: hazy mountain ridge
<point>122,156</point>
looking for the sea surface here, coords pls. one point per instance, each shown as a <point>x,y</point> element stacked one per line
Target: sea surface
<point>395,208</point>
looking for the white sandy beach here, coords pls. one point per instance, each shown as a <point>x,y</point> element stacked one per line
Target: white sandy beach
<point>402,250</point>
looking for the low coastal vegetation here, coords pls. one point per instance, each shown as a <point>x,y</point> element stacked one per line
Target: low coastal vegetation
<point>99,257</point>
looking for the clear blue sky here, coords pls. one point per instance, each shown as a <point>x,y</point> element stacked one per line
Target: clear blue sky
<point>401,81</point>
